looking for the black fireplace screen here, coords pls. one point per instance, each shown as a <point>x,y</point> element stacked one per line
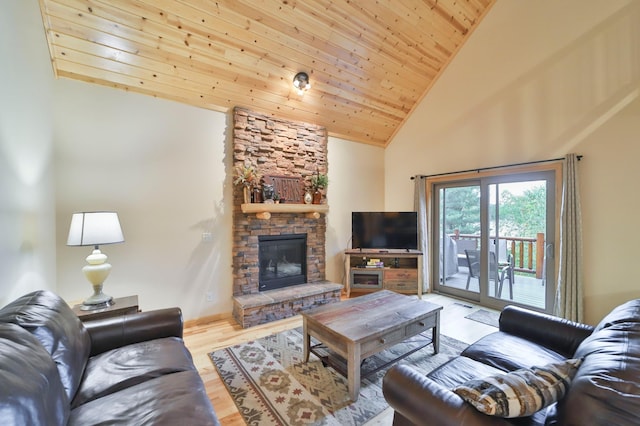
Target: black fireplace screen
<point>283,260</point>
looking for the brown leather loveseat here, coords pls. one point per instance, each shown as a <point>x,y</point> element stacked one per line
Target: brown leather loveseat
<point>604,388</point>
<point>131,370</point>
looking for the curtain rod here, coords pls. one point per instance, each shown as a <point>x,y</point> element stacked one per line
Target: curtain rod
<point>482,169</point>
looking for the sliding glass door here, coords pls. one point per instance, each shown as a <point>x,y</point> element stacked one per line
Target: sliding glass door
<point>493,238</point>
<point>458,238</point>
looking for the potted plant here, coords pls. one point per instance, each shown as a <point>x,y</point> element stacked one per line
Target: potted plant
<point>248,177</point>
<point>318,182</point>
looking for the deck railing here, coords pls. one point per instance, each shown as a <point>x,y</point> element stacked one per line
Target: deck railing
<point>528,253</point>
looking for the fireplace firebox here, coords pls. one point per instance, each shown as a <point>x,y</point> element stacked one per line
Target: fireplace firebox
<point>283,260</point>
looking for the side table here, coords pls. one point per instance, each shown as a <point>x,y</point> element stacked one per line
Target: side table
<point>119,306</point>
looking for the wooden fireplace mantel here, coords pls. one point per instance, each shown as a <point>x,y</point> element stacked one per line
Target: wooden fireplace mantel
<point>264,211</point>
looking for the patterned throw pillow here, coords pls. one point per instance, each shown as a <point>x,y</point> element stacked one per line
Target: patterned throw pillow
<point>521,392</point>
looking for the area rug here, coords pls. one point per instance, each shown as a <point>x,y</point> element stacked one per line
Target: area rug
<point>271,385</point>
<point>485,317</point>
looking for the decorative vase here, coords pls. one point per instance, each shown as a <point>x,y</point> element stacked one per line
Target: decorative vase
<point>246,194</point>
<point>317,197</point>
<point>308,198</point>
<point>257,197</point>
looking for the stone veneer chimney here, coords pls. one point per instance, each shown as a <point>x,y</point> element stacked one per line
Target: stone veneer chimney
<point>279,148</point>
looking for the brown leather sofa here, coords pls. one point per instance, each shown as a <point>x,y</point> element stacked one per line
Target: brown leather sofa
<point>604,391</point>
<point>130,370</point>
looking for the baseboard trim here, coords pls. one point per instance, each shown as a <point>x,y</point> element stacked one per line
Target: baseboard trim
<point>206,320</point>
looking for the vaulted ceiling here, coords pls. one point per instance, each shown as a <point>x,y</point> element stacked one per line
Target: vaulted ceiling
<point>370,62</point>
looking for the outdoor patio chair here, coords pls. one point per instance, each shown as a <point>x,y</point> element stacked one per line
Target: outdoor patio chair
<point>473,263</point>
<point>497,272</point>
<point>507,271</point>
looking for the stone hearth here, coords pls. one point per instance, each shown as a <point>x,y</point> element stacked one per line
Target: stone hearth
<point>267,306</point>
<point>277,148</point>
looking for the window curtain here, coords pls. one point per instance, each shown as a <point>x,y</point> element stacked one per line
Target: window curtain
<point>569,291</point>
<point>420,206</point>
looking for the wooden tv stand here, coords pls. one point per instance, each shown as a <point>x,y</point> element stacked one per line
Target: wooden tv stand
<point>402,271</point>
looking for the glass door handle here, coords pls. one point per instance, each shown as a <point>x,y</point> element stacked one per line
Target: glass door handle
<point>549,251</point>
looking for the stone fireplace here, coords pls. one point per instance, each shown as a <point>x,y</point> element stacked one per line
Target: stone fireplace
<point>287,149</point>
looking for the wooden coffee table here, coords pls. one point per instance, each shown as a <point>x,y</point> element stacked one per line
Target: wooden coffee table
<point>360,327</point>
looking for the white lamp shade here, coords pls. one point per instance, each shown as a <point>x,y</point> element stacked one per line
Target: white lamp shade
<point>94,228</point>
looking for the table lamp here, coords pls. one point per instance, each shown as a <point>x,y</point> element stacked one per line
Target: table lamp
<point>95,229</point>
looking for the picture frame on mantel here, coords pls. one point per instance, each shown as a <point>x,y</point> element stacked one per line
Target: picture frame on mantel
<point>289,188</point>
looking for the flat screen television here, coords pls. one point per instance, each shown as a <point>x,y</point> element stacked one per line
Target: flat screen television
<point>384,230</point>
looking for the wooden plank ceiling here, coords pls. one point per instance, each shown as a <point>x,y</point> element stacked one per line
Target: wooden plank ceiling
<point>370,61</point>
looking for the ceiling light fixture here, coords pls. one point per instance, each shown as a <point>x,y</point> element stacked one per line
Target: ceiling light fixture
<point>301,83</point>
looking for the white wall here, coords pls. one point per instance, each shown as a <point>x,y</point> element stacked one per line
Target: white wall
<point>356,183</point>
<point>27,237</point>
<point>609,176</point>
<point>163,167</point>
<point>533,85</point>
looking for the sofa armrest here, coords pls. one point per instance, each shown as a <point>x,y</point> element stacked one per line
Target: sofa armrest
<point>558,334</point>
<point>423,401</point>
<point>115,332</point>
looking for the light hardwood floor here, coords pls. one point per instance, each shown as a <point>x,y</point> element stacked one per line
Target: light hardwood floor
<point>202,339</point>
